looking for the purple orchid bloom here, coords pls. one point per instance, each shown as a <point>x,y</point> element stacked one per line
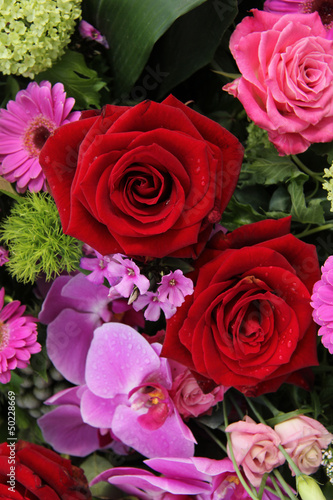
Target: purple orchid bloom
<point>127,392</point>
<point>196,478</point>
<point>73,308</point>
<point>64,429</point>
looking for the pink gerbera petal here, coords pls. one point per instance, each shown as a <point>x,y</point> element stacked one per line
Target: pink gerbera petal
<point>25,126</point>
<point>18,338</point>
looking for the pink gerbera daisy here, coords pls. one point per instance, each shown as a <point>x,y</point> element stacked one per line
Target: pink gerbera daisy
<point>24,127</point>
<point>323,7</point>
<point>18,337</point>
<point>322,303</point>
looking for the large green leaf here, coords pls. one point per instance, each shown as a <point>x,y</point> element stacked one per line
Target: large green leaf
<point>132,27</point>
<point>190,43</point>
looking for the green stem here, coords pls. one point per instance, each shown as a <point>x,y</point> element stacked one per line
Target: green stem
<point>252,493</point>
<point>269,405</point>
<point>277,489</point>
<point>284,484</point>
<point>214,438</point>
<point>290,461</point>
<point>253,408</point>
<point>307,232</point>
<point>305,169</point>
<point>239,411</point>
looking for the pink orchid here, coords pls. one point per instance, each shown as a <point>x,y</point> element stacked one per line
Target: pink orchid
<point>127,392</point>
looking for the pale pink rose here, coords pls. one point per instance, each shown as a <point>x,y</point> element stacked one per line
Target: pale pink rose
<point>303,438</point>
<point>191,399</point>
<point>286,85</point>
<point>255,448</point>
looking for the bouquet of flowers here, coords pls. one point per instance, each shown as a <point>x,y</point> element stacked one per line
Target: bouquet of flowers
<point>166,261</point>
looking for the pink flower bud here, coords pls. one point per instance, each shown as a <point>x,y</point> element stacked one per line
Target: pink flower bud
<point>190,399</point>
<point>255,447</point>
<point>304,438</point>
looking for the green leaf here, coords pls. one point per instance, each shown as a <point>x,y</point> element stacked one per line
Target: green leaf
<point>269,171</point>
<point>191,42</point>
<point>280,200</point>
<point>92,466</point>
<point>311,213</point>
<point>237,214</point>
<point>132,27</point>
<point>80,82</point>
<point>39,363</point>
<point>9,90</point>
<point>214,420</point>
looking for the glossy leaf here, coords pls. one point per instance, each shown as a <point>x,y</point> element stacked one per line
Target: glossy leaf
<point>132,27</point>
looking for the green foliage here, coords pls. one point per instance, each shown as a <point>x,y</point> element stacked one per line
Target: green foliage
<point>134,27</point>
<point>80,82</point>
<point>92,466</point>
<point>273,186</point>
<point>34,237</point>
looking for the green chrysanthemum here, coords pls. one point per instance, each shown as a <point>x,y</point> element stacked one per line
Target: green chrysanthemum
<point>33,234</point>
<point>34,33</point>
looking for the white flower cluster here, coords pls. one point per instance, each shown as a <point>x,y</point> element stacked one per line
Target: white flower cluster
<point>328,185</point>
<point>34,33</point>
<point>327,462</point>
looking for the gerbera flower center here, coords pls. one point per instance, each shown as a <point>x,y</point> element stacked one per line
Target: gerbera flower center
<point>4,336</point>
<point>36,134</point>
<point>324,9</point>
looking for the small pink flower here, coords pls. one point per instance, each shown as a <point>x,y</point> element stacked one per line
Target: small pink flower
<point>24,128</point>
<point>189,397</point>
<point>123,275</point>
<point>18,337</point>
<point>303,438</point>
<point>88,31</point>
<point>155,305</point>
<point>286,85</point>
<point>175,287</point>
<point>255,448</point>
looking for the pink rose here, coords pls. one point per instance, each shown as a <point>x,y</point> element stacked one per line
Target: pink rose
<point>190,399</point>
<point>287,74</point>
<point>255,448</point>
<point>304,438</point>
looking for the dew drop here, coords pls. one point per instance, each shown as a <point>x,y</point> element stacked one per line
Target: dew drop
<point>289,343</point>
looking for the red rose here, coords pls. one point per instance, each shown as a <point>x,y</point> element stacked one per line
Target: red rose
<point>249,323</point>
<point>148,180</point>
<point>29,471</point>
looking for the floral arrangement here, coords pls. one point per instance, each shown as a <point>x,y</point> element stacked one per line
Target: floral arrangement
<point>166,259</point>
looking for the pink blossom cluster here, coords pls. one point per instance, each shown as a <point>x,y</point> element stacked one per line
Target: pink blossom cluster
<point>125,280</point>
<point>256,446</point>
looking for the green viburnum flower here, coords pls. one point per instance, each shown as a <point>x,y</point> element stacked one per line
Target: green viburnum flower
<point>34,33</point>
<point>35,240</point>
<point>328,185</point>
